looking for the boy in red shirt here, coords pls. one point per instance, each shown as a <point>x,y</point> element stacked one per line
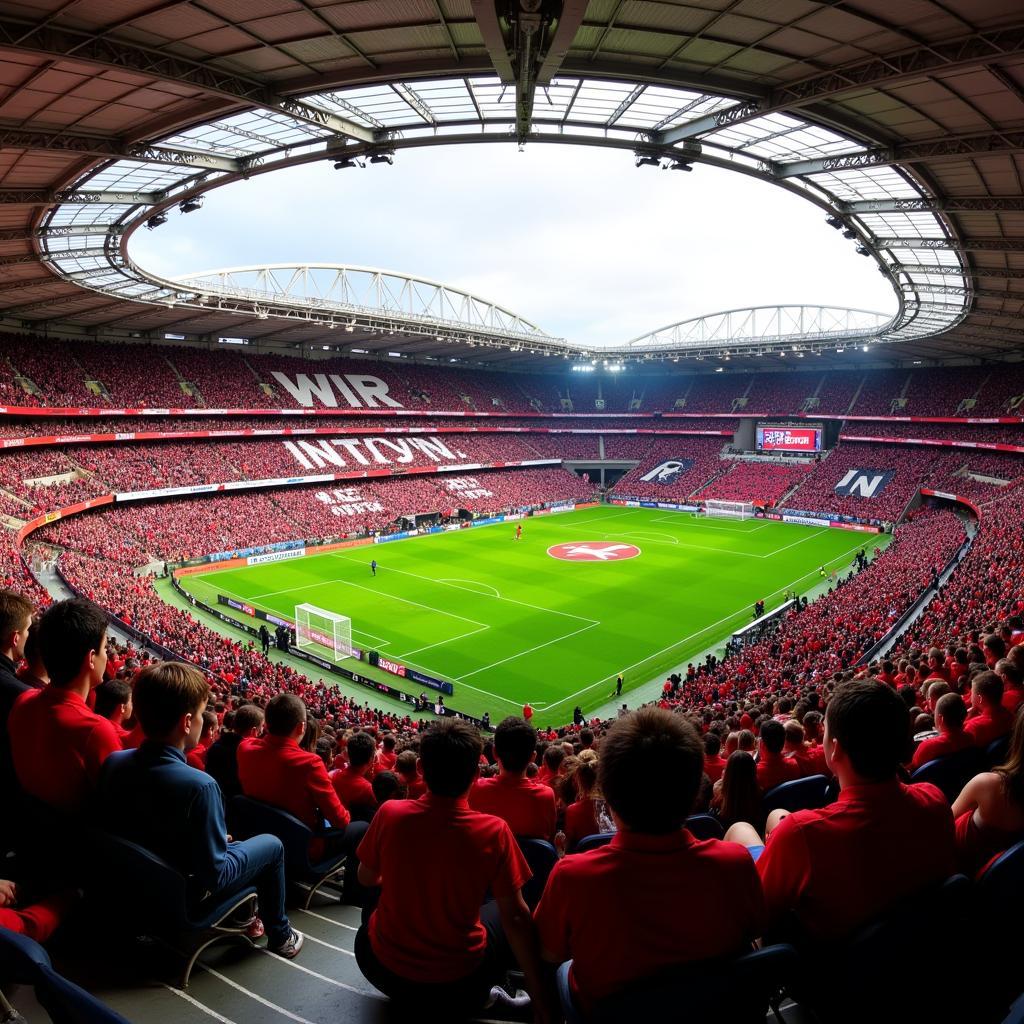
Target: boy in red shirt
<point>352,783</point>
<point>57,744</point>
<point>405,768</point>
<point>950,714</point>
<point>714,766</point>
<point>114,702</point>
<point>772,767</point>
<point>529,808</point>
<point>654,897</point>
<point>991,720</point>
<point>435,947</point>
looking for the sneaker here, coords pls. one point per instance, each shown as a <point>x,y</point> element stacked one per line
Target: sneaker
<point>289,949</point>
<point>254,929</point>
<point>501,999</point>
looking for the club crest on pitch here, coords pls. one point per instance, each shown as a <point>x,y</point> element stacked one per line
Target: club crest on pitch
<point>593,551</point>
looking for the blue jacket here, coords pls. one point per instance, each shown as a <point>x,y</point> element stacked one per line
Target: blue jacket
<point>152,797</point>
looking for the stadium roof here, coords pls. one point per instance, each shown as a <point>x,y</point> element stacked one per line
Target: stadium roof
<point>904,121</point>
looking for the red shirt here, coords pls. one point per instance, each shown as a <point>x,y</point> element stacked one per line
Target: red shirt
<point>1012,699</point>
<point>196,757</point>
<point>580,821</point>
<point>58,746</point>
<point>528,808</point>
<point>714,767</point>
<point>276,770</point>
<point>811,761</point>
<point>989,725</point>
<point>643,903</point>
<point>527,712</point>
<point>774,769</point>
<point>353,788</point>
<point>842,865</point>
<point>437,859</point>
<point>939,746</point>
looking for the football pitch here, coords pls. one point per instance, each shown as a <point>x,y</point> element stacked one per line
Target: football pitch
<point>638,591</point>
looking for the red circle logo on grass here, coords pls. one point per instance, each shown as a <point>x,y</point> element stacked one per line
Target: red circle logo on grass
<point>594,551</point>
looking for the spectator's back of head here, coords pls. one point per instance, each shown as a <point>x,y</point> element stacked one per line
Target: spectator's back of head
<point>450,756</point>
<point>405,764</point>
<point>72,635</point>
<point>773,736</point>
<point>953,711</point>
<point>515,742</point>
<point>869,722</point>
<point>284,714</point>
<point>111,696</point>
<point>387,786</point>
<point>554,755</point>
<point>988,687</point>
<point>165,693</point>
<point>361,749</point>
<point>712,744</point>
<point>650,769</point>
<point>247,718</point>
<point>15,618</point>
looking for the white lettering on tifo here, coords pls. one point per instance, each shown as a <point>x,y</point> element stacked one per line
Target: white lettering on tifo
<point>467,487</point>
<point>347,501</point>
<point>356,389</point>
<point>367,451</point>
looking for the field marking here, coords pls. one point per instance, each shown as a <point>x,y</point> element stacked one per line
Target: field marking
<point>440,643</point>
<point>802,540</point>
<point>658,538</point>
<point>510,600</point>
<point>359,586</point>
<point>601,519</point>
<point>686,639</point>
<point>513,657</point>
<point>475,583</point>
<point>707,526</point>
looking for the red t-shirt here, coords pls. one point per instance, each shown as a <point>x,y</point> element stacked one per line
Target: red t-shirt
<point>774,769</point>
<point>811,761</point>
<point>437,858</point>
<point>939,746</point>
<point>58,746</point>
<point>714,767</point>
<point>989,725</point>
<point>842,865</point>
<point>580,821</point>
<point>1012,699</point>
<point>643,903</point>
<point>353,788</point>
<point>528,808</point>
<point>278,771</point>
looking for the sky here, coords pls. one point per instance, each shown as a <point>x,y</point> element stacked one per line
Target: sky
<point>575,239</point>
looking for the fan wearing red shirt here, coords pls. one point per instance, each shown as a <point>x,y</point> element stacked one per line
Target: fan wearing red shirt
<point>772,767</point>
<point>406,770</point>
<point>654,897</point>
<point>114,702</point>
<point>276,770</point>
<point>352,783</point>
<point>714,766</point>
<point>950,715</point>
<point>809,758</point>
<point>387,757</point>
<point>211,730</point>
<point>57,744</point>
<point>527,807</point>
<point>813,864</point>
<point>991,720</point>
<point>434,948</point>
<point>1013,684</point>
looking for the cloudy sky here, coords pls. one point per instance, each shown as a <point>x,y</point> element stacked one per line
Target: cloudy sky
<point>578,240</point>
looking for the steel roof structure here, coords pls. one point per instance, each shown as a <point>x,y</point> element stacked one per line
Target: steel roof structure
<point>903,122</point>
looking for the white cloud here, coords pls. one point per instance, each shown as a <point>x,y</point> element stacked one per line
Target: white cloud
<point>576,239</point>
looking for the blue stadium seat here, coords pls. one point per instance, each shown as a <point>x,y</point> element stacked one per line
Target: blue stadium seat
<point>805,794</point>
<point>542,857</point>
<point>737,990</point>
<point>996,751</point>
<point>160,906</point>
<point>997,908</point>
<point>952,772</point>
<point>593,842</point>
<point>24,962</point>
<point>876,970</point>
<point>253,818</point>
<point>704,826</point>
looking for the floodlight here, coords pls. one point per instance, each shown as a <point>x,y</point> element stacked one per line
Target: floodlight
<point>189,205</point>
<point>156,220</point>
<point>347,161</point>
<point>834,222</point>
<point>863,250</point>
<point>679,165</point>
<point>850,234</point>
<point>646,160</point>
<point>382,158</point>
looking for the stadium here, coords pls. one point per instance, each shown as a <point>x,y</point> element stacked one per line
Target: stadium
<point>368,650</point>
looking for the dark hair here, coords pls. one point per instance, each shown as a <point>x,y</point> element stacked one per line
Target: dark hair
<point>14,609</point>
<point>869,720</point>
<point>773,736</point>
<point>586,736</point>
<point>68,632</point>
<point>450,753</point>
<point>166,691</point>
<point>712,744</point>
<point>247,717</point>
<point>387,786</point>
<point>554,755</point>
<point>989,687</point>
<point>794,731</point>
<point>639,752</point>
<point>284,713</point>
<point>741,794</point>
<point>405,763</point>
<point>515,741</point>
<point>111,694</point>
<point>952,708</point>
<point>361,749</point>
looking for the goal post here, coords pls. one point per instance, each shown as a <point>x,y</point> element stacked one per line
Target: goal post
<point>715,508</point>
<point>324,633</point>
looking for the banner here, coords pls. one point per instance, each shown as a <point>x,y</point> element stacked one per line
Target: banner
<point>275,556</point>
<point>864,483</point>
<point>771,438</point>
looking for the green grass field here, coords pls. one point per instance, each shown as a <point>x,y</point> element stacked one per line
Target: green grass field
<point>506,622</point>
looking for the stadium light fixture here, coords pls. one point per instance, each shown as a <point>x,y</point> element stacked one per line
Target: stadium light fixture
<point>850,234</point>
<point>863,250</point>
<point>647,160</point>
<point>156,220</point>
<point>190,205</point>
<point>387,157</point>
<point>346,162</point>
<point>835,222</point>
<point>719,369</point>
<point>359,351</point>
<point>679,165</point>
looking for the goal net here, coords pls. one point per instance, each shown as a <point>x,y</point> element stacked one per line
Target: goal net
<point>717,509</point>
<point>322,632</point>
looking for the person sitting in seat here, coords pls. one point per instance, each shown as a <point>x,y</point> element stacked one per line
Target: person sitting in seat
<point>352,783</point>
<point>153,797</point>
<point>813,863</point>
<point>57,744</point>
<point>654,897</point>
<point>222,758</point>
<point>114,702</point>
<point>988,720</point>
<point>528,807</point>
<point>989,812</point>
<point>437,947</point>
<point>950,715</point>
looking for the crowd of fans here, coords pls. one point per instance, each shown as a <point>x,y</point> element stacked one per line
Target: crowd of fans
<point>759,482</point>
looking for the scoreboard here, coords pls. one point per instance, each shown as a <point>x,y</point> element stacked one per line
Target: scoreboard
<point>773,437</point>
